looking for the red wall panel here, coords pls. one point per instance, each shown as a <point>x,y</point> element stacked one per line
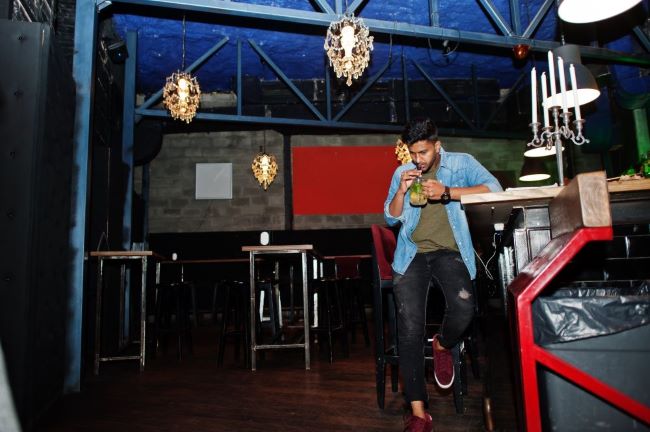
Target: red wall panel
<point>341,180</point>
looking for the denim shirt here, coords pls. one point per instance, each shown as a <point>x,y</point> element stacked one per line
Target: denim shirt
<point>456,170</point>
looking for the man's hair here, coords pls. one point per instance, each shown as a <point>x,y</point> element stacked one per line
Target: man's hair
<point>418,130</point>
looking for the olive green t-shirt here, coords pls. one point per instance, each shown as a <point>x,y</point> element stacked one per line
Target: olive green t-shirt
<point>433,231</point>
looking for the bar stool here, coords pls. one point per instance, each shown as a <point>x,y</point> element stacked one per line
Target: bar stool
<point>348,277</point>
<point>234,319</point>
<point>328,316</point>
<point>386,348</point>
<point>173,302</point>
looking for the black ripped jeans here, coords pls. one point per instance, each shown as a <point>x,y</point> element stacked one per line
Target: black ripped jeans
<point>446,270</point>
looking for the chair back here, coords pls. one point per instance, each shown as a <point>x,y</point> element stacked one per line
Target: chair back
<point>384,243</point>
<point>347,267</point>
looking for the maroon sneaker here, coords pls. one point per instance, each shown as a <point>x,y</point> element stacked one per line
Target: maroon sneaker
<point>443,366</point>
<point>416,424</point>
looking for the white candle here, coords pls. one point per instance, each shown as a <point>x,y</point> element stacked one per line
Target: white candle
<point>574,88</point>
<point>551,71</point>
<point>560,67</point>
<point>533,94</point>
<point>544,108</point>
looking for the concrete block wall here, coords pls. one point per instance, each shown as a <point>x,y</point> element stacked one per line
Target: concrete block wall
<point>173,207</point>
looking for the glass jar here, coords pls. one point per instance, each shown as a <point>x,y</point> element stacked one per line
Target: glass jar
<point>416,194</point>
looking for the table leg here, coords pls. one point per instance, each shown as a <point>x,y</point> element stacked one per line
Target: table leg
<point>252,305</point>
<point>305,305</point>
<point>143,313</point>
<point>98,311</point>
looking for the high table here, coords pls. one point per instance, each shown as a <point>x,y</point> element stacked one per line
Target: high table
<point>123,256</point>
<point>304,250</point>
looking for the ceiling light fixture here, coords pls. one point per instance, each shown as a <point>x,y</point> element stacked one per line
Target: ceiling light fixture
<point>402,152</point>
<point>586,11</point>
<point>533,170</point>
<point>587,88</point>
<point>520,51</point>
<point>348,44</point>
<point>264,166</point>
<point>182,93</point>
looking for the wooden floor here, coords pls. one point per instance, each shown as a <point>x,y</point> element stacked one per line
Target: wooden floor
<point>195,395</point>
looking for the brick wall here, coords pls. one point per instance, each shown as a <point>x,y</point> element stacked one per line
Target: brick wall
<point>174,209</point>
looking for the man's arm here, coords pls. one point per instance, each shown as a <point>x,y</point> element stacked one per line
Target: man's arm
<point>433,189</point>
<point>396,205</point>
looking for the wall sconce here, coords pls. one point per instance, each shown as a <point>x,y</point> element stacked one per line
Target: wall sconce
<point>182,93</point>
<point>265,168</point>
<point>533,170</point>
<point>348,45</point>
<point>586,11</point>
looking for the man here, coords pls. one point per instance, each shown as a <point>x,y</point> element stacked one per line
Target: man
<point>433,246</point>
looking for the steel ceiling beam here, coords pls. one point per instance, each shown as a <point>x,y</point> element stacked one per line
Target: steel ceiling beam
<point>285,79</point>
<point>643,37</point>
<point>190,69</point>
<point>339,126</point>
<point>537,19</point>
<point>320,19</point>
<point>496,17</point>
<point>444,95</point>
<point>515,16</point>
<point>363,90</point>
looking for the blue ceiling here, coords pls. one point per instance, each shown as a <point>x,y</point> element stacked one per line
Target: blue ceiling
<point>298,48</point>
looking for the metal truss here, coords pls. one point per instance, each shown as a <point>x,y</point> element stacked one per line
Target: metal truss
<point>510,34</point>
<point>329,120</point>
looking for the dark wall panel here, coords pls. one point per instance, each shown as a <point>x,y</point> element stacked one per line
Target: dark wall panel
<point>36,126</point>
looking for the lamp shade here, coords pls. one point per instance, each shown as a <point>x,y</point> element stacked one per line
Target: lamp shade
<point>541,151</point>
<point>586,11</point>
<point>533,170</point>
<point>588,90</point>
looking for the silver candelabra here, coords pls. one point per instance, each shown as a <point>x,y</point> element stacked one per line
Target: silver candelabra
<point>552,135</point>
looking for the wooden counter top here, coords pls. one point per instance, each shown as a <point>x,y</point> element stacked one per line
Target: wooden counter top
<point>487,209</point>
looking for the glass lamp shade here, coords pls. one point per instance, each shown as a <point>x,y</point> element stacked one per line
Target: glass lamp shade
<point>533,170</point>
<point>586,11</point>
<point>588,90</point>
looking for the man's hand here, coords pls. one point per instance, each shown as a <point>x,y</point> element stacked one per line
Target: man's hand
<point>407,178</point>
<point>433,189</point>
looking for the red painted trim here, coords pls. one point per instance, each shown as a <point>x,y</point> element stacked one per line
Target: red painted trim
<point>593,384</point>
<point>525,288</point>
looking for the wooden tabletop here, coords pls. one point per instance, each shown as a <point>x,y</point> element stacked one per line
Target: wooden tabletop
<point>360,256</point>
<point>277,248</point>
<point>207,261</point>
<point>108,254</point>
<point>487,209</point>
